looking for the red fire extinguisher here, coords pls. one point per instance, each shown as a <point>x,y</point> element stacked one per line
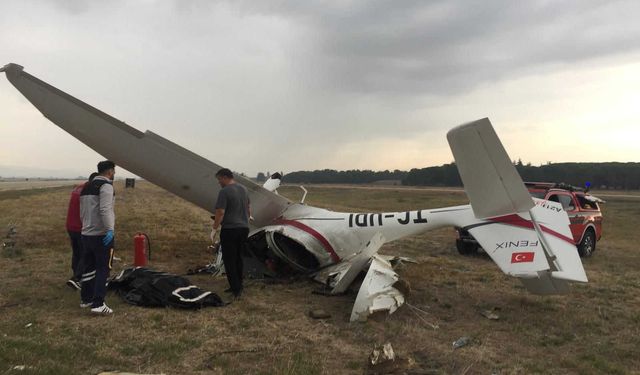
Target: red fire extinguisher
<point>142,249</point>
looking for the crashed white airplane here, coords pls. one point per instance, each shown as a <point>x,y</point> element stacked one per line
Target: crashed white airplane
<point>334,247</point>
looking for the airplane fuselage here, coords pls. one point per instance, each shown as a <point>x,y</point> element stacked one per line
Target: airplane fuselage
<point>332,237</point>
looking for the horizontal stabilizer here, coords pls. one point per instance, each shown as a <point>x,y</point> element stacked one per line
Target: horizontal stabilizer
<point>513,244</point>
<point>490,180</point>
<point>534,246</point>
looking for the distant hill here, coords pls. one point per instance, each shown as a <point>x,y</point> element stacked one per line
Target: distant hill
<point>609,175</point>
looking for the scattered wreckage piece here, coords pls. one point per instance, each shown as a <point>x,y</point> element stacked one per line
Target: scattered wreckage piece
<point>214,268</point>
<point>490,314</point>
<point>461,342</point>
<point>384,360</point>
<point>377,292</point>
<point>382,354</point>
<point>145,287</point>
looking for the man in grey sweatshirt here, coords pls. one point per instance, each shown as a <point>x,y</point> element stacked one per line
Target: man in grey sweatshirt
<point>98,223</point>
<point>232,213</point>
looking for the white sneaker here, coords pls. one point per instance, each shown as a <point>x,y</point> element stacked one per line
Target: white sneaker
<point>85,304</point>
<point>102,310</point>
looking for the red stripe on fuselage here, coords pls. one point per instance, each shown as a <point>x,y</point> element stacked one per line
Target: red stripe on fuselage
<point>517,221</point>
<point>325,243</point>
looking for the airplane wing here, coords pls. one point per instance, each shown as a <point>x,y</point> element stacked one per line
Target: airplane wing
<point>147,154</point>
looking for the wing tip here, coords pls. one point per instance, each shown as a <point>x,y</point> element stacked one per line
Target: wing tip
<point>11,67</point>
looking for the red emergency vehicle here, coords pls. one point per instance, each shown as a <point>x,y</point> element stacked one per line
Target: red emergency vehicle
<point>582,208</point>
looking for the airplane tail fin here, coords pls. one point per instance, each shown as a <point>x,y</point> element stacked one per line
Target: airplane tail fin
<point>529,240</point>
<point>492,183</point>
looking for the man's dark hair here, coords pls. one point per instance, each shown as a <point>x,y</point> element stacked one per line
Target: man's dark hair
<point>224,172</point>
<point>92,176</point>
<point>105,165</point>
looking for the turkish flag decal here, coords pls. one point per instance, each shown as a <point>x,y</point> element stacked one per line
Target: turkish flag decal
<point>522,257</point>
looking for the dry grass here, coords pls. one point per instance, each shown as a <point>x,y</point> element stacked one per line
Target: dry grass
<point>592,330</point>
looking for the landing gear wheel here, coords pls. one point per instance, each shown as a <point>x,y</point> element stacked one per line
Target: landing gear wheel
<point>588,244</point>
<point>466,248</point>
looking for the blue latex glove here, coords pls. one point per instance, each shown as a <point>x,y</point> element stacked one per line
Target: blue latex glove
<point>107,238</point>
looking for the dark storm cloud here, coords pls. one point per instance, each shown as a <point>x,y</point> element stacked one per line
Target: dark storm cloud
<point>429,47</point>
<point>337,80</point>
<point>445,47</point>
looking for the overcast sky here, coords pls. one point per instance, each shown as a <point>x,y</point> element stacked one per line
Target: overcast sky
<point>301,85</point>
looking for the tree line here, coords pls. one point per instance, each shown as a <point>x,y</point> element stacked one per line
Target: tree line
<point>354,176</point>
<point>610,175</point>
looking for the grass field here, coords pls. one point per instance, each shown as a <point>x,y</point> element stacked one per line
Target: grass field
<point>595,329</point>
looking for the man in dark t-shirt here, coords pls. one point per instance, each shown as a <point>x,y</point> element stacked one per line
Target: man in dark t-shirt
<point>232,214</point>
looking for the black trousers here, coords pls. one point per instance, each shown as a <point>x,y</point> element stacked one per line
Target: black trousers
<point>76,254</point>
<point>97,264</point>
<point>232,242</point>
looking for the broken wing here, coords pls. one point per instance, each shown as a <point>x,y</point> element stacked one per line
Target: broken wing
<point>148,155</point>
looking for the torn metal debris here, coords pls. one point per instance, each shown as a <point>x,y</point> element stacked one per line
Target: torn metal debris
<point>462,341</point>
<point>377,292</point>
<point>489,315</point>
<point>382,354</point>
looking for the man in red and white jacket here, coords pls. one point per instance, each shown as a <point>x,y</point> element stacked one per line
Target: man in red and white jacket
<point>74,228</point>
